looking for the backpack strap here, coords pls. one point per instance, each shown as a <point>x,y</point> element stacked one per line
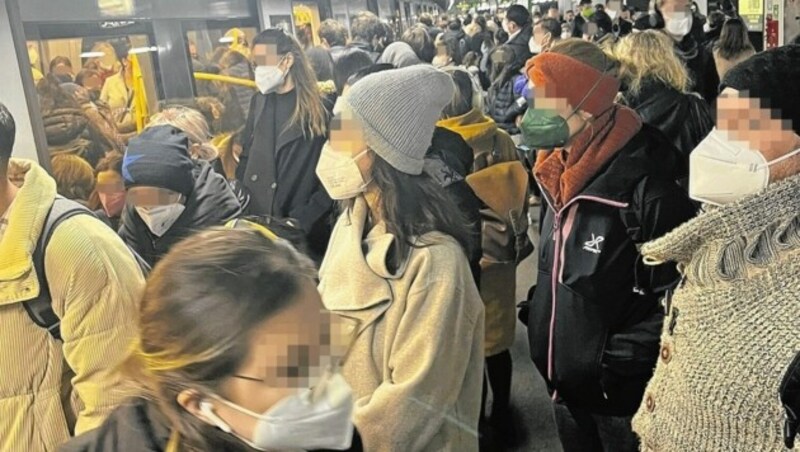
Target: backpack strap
<point>40,309</point>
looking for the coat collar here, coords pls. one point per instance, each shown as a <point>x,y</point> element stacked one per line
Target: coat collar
<point>25,221</point>
<point>357,265</point>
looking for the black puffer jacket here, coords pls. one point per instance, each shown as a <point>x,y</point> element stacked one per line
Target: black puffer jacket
<point>138,426</point>
<point>68,132</point>
<point>503,106</point>
<point>684,118</point>
<point>595,318</point>
<point>211,203</point>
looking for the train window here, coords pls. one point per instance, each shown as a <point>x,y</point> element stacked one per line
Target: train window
<point>221,65</point>
<point>97,90</point>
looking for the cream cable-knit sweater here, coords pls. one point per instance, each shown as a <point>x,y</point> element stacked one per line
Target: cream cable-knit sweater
<point>732,329</point>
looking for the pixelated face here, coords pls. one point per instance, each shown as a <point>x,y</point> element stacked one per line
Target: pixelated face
<point>93,82</point>
<point>287,352</point>
<point>676,8</point>
<point>347,137</point>
<point>149,197</point>
<point>109,182</point>
<point>267,55</point>
<point>754,122</point>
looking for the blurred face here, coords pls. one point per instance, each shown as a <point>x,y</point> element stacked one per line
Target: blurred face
<point>570,16</point>
<point>552,13</point>
<point>542,100</point>
<point>149,197</point>
<point>267,55</point>
<point>62,70</point>
<point>347,138</point>
<point>93,83</point>
<point>287,352</point>
<point>750,121</point>
<point>675,8</point>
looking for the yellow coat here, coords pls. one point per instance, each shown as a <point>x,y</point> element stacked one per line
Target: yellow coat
<point>95,285</point>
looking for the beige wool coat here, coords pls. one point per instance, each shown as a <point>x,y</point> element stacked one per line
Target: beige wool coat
<point>732,327</point>
<point>416,366</point>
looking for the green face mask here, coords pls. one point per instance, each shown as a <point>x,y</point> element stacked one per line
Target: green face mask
<point>544,129</point>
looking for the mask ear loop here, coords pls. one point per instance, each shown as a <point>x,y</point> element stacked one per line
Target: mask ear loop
<point>207,409</point>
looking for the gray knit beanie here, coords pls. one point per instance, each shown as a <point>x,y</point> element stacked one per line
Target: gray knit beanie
<point>398,110</point>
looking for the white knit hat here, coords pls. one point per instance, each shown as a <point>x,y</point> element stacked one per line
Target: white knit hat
<point>398,110</point>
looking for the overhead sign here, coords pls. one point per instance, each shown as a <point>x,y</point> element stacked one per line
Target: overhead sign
<point>752,11</point>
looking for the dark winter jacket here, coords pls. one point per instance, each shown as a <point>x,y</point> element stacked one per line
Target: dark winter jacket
<point>242,94</point>
<point>278,168</point>
<point>211,203</point>
<point>138,426</point>
<point>683,118</point>
<point>503,103</point>
<point>595,318</point>
<point>519,44</point>
<point>457,157</point>
<point>366,48</point>
<point>69,131</point>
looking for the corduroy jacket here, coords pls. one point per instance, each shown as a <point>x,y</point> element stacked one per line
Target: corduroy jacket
<point>95,285</point>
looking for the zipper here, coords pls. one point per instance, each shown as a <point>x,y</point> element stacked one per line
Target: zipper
<point>559,245</point>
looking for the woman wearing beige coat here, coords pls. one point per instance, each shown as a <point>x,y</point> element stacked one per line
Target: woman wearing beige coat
<point>397,264</point>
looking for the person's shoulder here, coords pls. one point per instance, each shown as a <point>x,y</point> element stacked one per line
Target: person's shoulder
<point>128,427</point>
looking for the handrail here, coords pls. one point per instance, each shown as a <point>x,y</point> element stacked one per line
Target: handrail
<point>205,76</point>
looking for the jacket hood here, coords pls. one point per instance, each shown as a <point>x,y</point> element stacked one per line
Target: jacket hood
<point>26,219</point>
<point>211,202</point>
<point>474,127</point>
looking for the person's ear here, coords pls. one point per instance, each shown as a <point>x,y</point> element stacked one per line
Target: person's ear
<point>189,400</point>
<point>288,62</point>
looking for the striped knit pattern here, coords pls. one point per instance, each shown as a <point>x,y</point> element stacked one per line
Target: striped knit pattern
<point>732,330</point>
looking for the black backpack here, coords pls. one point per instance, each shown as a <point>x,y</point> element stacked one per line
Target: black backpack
<point>40,309</point>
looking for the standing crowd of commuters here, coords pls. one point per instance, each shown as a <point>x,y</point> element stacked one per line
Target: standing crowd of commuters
<point>329,261</point>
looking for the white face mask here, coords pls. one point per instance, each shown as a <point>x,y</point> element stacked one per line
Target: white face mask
<point>612,14</point>
<point>269,78</point>
<point>679,25</point>
<point>723,171</point>
<point>160,218</point>
<point>534,47</point>
<point>707,28</point>
<point>312,419</point>
<point>339,174</point>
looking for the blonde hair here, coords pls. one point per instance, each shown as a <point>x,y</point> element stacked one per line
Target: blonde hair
<point>650,55</point>
<point>194,125</point>
<point>74,176</point>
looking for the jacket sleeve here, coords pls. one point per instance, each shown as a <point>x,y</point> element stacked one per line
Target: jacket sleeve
<point>430,360</point>
<point>95,285</point>
<point>247,139</point>
<point>661,206</point>
<point>319,203</point>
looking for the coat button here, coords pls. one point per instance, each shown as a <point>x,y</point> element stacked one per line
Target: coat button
<point>274,185</point>
<point>666,354</point>
<point>650,403</point>
<point>254,177</point>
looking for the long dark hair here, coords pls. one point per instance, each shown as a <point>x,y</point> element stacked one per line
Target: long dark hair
<point>412,206</point>
<point>309,112</point>
<point>733,40</point>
